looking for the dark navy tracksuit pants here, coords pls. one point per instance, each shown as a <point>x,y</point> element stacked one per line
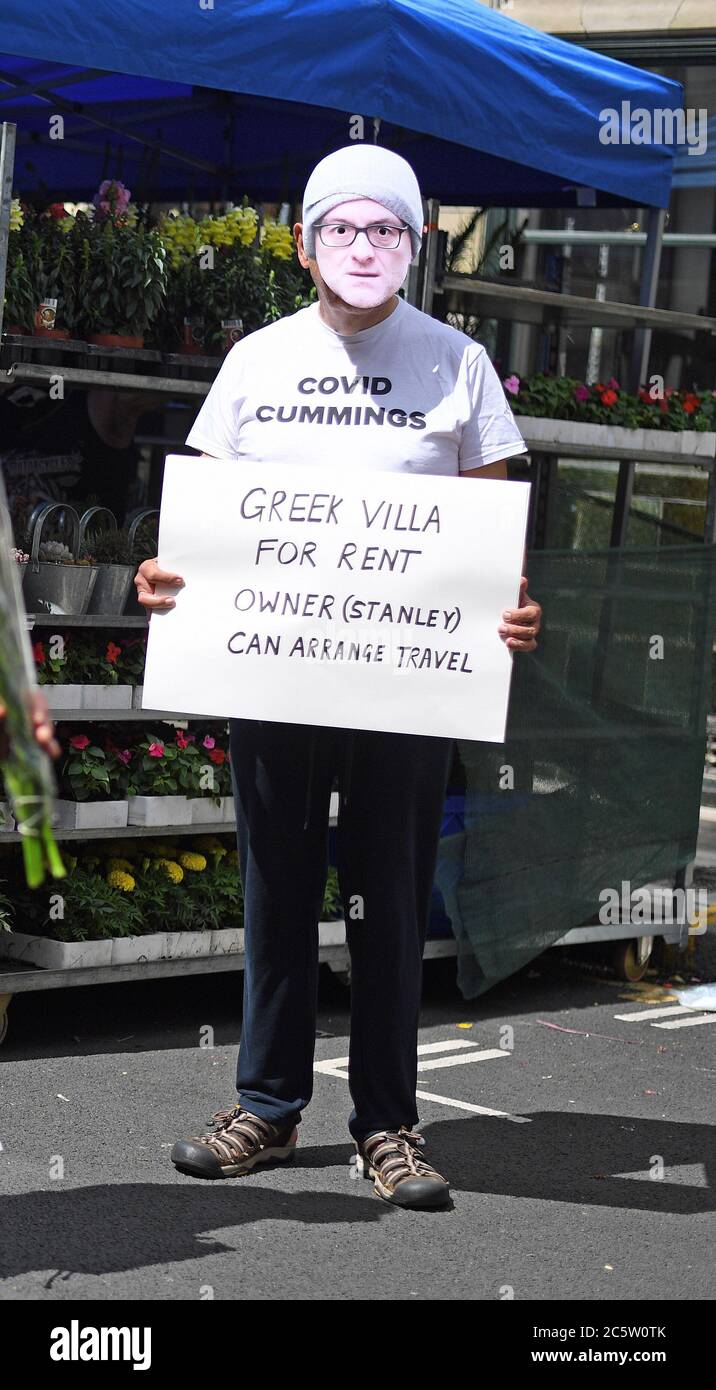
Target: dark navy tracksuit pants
<point>393,790</point>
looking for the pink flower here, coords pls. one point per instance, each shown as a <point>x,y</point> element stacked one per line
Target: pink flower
<point>614,384</point>
<point>79,741</point>
<point>124,756</point>
<point>581,393</point>
<point>111,198</point>
<point>182,740</point>
<point>209,742</point>
<point>512,384</point>
<point>156,750</point>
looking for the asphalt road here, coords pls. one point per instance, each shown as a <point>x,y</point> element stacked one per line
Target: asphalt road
<point>582,1163</point>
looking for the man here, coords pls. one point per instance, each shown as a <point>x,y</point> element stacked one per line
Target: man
<point>360,379</point>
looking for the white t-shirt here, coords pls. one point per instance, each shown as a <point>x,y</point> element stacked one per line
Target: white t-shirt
<point>409,394</point>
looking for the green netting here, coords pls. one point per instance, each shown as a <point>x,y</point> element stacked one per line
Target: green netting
<point>606,738</point>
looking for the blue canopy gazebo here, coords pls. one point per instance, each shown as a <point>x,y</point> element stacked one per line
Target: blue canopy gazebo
<point>193,101</point>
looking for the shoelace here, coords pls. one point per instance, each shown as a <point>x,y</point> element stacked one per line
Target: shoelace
<point>393,1153</point>
<point>233,1125</point>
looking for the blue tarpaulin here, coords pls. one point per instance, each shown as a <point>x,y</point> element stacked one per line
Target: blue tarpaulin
<point>247,96</point>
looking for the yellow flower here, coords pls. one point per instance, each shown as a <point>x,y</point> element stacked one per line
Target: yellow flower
<point>232,857</point>
<point>17,216</point>
<point>117,879</point>
<point>70,860</point>
<point>195,862</point>
<point>174,871</point>
<point>277,239</point>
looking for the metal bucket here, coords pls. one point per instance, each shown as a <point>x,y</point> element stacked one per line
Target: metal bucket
<point>55,588</point>
<point>111,589</point>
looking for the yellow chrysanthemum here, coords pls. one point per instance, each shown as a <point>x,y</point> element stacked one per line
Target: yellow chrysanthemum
<point>173,870</point>
<point>17,216</point>
<point>117,879</point>
<point>195,862</point>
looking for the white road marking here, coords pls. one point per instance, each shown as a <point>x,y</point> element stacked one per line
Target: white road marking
<point>332,1066</point>
<point>432,1063</point>
<point>687,1018</point>
<point>476,1109</point>
<point>648,1014</point>
<point>688,1022</point>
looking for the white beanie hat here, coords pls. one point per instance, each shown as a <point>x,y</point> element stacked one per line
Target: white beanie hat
<point>363,171</point>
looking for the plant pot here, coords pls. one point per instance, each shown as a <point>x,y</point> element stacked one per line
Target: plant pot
<point>61,589</point>
<point>229,809</point>
<point>54,955</point>
<point>106,696</point>
<point>63,696</point>
<point>332,933</point>
<point>206,811</point>
<point>186,944</point>
<point>7,819</point>
<point>227,941</point>
<point>89,815</point>
<point>49,587</point>
<point>127,950</point>
<point>116,340</point>
<point>50,332</point>
<point>137,694</point>
<point>111,589</point>
<point>159,810</point>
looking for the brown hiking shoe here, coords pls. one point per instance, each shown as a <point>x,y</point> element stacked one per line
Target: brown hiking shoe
<point>240,1142</point>
<point>400,1175</point>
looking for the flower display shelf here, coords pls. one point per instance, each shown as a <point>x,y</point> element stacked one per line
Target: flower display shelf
<point>691,445</point>
<point>31,949</point>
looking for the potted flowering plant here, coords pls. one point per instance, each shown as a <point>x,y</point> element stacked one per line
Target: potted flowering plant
<point>564,409</point>
<point>47,250</point>
<point>91,783</point>
<point>154,788</point>
<point>122,271</point>
<point>204,776</point>
<point>19,306</point>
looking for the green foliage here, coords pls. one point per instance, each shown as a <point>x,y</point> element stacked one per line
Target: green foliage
<point>108,546</point>
<point>94,911</point>
<point>121,276</point>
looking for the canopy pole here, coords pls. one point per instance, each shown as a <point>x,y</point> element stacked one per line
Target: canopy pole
<point>7,170</point>
<point>639,364</point>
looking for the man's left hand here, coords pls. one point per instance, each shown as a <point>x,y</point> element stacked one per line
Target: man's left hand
<point>519,627</point>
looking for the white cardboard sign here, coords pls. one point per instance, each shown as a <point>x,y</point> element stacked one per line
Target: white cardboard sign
<point>357,600</point>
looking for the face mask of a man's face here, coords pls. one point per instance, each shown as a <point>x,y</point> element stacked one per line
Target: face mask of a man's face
<point>363,275</point>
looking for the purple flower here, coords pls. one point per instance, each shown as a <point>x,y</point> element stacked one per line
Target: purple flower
<point>581,393</point>
<point>512,384</point>
<point>614,384</point>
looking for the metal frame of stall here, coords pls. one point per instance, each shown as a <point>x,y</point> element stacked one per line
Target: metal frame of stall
<point>421,288</point>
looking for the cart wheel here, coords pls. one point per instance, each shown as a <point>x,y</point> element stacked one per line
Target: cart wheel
<point>631,958</point>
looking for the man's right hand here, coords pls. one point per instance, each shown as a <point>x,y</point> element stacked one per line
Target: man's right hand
<point>145,579</point>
